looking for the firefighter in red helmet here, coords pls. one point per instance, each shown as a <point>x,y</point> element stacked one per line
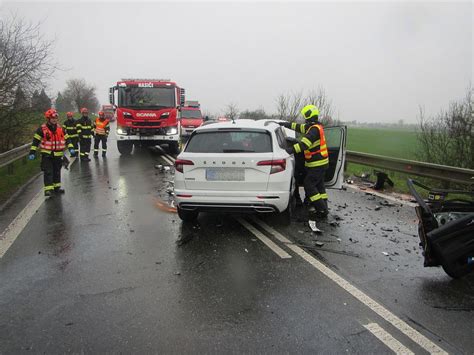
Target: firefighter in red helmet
<point>51,140</point>
<point>84,132</point>
<point>70,125</point>
<point>101,132</point>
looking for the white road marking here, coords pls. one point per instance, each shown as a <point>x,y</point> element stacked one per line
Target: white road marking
<point>379,194</point>
<point>389,341</point>
<point>14,229</point>
<point>406,329</point>
<point>168,158</point>
<point>276,249</point>
<point>9,235</point>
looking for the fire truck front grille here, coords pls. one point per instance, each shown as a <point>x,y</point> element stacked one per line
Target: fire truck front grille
<point>146,124</point>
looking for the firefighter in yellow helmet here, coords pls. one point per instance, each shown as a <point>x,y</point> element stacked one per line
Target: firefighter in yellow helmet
<point>316,158</point>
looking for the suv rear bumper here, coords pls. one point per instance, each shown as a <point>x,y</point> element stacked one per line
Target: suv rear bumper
<point>232,201</point>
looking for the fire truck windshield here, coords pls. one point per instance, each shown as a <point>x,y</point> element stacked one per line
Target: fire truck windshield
<point>146,98</point>
<point>190,113</point>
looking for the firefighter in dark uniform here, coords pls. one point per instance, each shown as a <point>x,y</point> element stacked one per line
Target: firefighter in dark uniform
<point>101,132</point>
<point>84,132</point>
<point>51,140</point>
<point>71,129</point>
<point>316,159</point>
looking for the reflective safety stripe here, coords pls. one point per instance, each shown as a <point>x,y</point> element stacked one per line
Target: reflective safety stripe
<point>315,197</point>
<point>58,154</point>
<point>33,147</point>
<point>313,164</point>
<point>302,128</point>
<point>49,188</point>
<point>82,154</point>
<point>37,136</point>
<point>86,136</point>
<point>324,196</point>
<point>293,125</point>
<point>96,150</point>
<point>306,141</point>
<point>56,185</point>
<point>297,148</point>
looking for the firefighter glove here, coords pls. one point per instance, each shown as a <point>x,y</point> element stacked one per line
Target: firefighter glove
<point>31,157</point>
<point>285,124</point>
<point>289,150</point>
<point>72,151</point>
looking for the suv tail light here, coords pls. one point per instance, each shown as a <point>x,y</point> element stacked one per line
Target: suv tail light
<point>180,163</point>
<point>277,166</point>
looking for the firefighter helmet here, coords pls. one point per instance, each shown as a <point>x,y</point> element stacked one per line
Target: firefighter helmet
<point>51,113</point>
<point>84,110</point>
<point>69,114</point>
<point>101,114</point>
<point>310,111</point>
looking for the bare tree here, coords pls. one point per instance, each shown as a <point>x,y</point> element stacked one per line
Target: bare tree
<point>283,103</point>
<point>81,94</point>
<point>289,105</point>
<point>232,111</point>
<point>25,58</point>
<point>448,137</point>
<point>26,62</point>
<point>320,99</point>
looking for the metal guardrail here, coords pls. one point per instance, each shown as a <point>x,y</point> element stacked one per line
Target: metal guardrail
<point>412,167</point>
<point>14,154</point>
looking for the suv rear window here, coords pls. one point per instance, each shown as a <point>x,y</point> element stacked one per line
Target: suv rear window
<point>223,141</point>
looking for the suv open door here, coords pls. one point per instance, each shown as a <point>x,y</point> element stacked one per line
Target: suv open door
<point>336,138</point>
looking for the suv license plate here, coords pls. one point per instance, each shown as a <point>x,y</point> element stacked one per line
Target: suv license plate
<point>225,174</point>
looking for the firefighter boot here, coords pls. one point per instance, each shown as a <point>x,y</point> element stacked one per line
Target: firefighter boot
<point>59,191</point>
<point>103,154</point>
<point>47,193</point>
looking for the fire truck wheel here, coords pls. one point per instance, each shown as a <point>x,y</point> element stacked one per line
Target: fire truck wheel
<point>125,147</point>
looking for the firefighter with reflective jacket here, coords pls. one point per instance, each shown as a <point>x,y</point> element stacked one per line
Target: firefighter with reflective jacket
<point>71,129</point>
<point>101,131</point>
<point>313,145</point>
<point>51,140</point>
<point>84,132</point>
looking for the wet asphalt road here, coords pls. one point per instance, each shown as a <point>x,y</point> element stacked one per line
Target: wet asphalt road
<point>108,267</point>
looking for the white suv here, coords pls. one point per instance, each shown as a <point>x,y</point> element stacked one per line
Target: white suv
<point>239,166</point>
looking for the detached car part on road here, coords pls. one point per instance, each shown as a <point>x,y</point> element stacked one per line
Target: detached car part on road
<point>242,166</point>
<point>446,229</point>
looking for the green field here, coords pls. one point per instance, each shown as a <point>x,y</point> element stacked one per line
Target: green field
<point>390,143</point>
<point>386,142</point>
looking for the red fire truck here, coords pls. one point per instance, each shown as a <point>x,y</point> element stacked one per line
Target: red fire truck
<point>191,117</point>
<point>147,112</point>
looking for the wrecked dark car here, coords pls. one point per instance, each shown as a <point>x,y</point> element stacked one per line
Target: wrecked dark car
<point>446,228</point>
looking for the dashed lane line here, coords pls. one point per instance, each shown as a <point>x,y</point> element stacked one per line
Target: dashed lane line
<point>14,229</point>
<point>275,248</point>
<point>403,327</point>
<point>383,312</point>
<point>389,341</point>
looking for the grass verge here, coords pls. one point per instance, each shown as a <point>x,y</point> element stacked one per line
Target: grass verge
<point>15,175</point>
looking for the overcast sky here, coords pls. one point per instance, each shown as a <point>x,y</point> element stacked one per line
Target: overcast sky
<point>377,61</point>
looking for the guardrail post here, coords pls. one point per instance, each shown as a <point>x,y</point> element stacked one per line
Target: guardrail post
<point>10,169</point>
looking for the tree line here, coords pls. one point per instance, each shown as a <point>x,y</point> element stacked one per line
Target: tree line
<point>26,65</point>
